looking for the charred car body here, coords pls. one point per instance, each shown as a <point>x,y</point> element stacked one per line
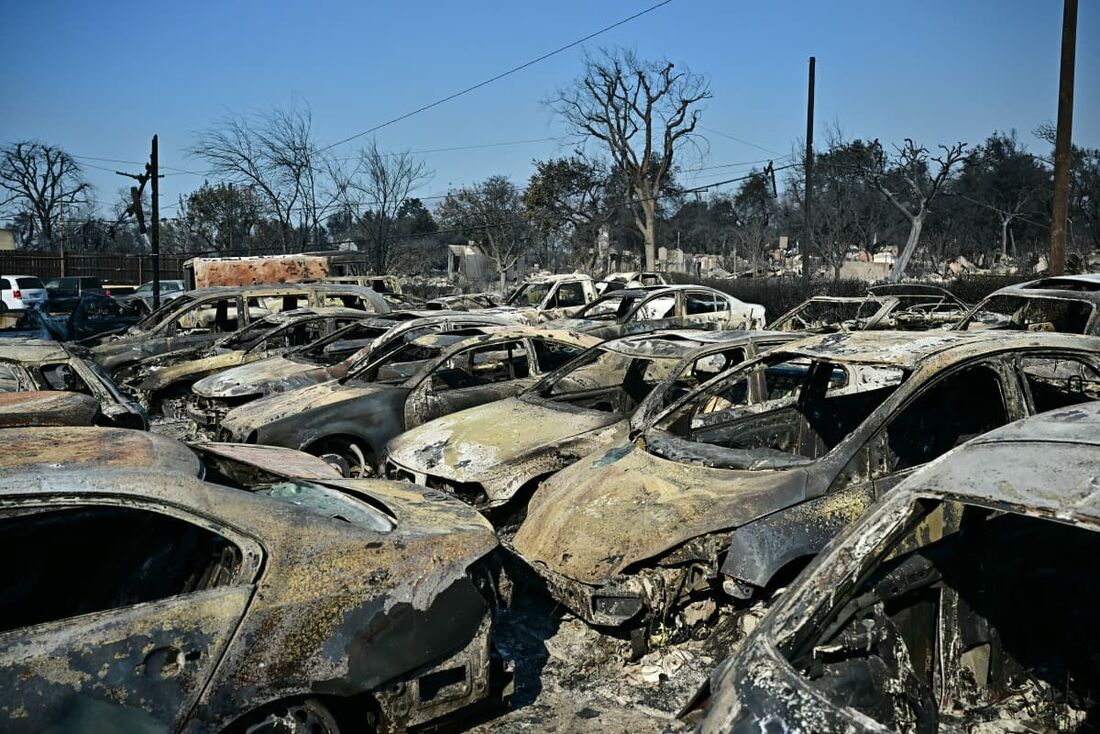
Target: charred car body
<point>328,358</point>
<point>169,376</point>
<point>28,365</point>
<point>1065,303</point>
<point>47,408</point>
<point>353,417</point>
<point>905,307</point>
<point>158,602</point>
<point>724,495</point>
<point>463,302</point>
<point>203,316</point>
<point>640,310</point>
<point>963,601</point>
<point>547,297</point>
<point>496,453</point>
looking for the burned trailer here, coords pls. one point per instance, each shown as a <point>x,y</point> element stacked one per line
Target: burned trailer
<point>350,419</point>
<point>158,602</point>
<point>162,382</point>
<point>1064,303</point>
<point>719,499</point>
<point>329,358</point>
<point>201,317</point>
<point>965,600</point>
<point>30,365</point>
<point>654,308</point>
<point>495,455</point>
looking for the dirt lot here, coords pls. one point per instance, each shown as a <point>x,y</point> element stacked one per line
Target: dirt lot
<point>571,679</point>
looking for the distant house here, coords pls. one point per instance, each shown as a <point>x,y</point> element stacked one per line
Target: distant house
<point>8,240</point>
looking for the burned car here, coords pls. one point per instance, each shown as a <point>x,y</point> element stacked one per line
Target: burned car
<point>904,307</point>
<point>653,308</point>
<point>328,358</point>
<point>495,455</point>
<point>463,302</point>
<point>39,450</point>
<point>720,498</point>
<point>152,601</point>
<point>964,601</point>
<point>47,408</point>
<point>203,316</point>
<point>168,378</point>
<point>353,417</point>
<point>30,365</point>
<point>547,297</point>
<point>1065,303</point>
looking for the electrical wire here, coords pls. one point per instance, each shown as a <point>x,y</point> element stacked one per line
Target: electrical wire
<point>497,77</point>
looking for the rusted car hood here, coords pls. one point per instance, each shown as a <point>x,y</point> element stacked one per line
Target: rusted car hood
<point>47,408</point>
<point>271,460</point>
<point>168,375</point>
<point>91,449</point>
<point>487,442</point>
<point>247,379</point>
<point>615,508</point>
<point>281,405</point>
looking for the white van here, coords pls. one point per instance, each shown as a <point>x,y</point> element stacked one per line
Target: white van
<point>22,291</point>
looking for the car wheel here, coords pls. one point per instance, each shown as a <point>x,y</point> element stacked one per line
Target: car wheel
<point>347,456</point>
<point>300,717</point>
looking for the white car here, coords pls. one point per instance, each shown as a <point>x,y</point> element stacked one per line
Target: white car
<point>22,291</point>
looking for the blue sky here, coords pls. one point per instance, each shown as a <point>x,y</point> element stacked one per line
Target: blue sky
<point>98,78</point>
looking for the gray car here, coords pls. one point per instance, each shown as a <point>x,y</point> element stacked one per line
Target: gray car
<point>352,418</point>
<point>965,600</point>
<point>203,316</point>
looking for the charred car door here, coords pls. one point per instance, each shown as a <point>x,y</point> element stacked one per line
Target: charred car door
<point>657,312</point>
<point>203,323</point>
<point>114,615</point>
<point>470,377</point>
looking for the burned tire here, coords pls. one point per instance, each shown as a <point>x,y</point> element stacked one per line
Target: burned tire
<point>351,457</point>
<point>308,716</point>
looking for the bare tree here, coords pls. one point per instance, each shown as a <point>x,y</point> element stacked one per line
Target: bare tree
<point>910,186</point>
<point>277,156</point>
<point>643,113</point>
<point>491,214</point>
<point>374,193</point>
<point>40,180</point>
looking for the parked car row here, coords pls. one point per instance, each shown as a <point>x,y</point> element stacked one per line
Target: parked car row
<point>901,481</point>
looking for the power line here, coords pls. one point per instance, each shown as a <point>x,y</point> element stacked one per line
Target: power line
<point>739,140</point>
<point>497,77</point>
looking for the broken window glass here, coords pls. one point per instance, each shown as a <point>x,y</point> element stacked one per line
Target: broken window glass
<point>9,378</point>
<point>1057,381</point>
<point>75,560</point>
<point>482,366</point>
<point>805,408</point>
<point>552,355</point>
<point>1031,313</point>
<point>953,410</point>
<point>661,307</point>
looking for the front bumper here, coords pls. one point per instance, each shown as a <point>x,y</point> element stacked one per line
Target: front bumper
<point>610,605</point>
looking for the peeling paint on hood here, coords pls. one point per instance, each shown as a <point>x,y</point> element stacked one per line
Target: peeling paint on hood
<point>280,405</point>
<point>162,378</point>
<point>485,444</point>
<point>248,379</point>
<point>615,508</point>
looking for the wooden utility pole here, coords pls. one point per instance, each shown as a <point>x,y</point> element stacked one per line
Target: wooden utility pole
<point>154,165</point>
<point>808,210</point>
<point>1063,140</point>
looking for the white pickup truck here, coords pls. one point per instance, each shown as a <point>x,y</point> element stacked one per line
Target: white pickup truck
<point>547,297</point>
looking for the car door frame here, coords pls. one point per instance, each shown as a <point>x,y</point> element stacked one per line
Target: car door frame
<point>241,590</point>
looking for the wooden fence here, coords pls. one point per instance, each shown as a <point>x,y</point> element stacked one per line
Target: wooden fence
<point>109,268</point>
